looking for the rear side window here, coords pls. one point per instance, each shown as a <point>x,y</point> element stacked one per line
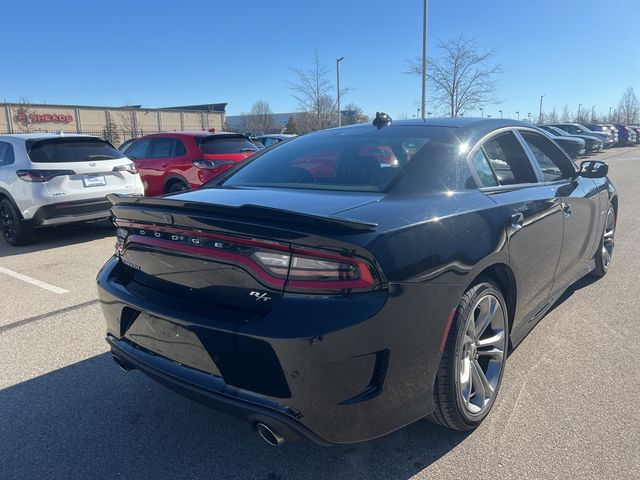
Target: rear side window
<point>161,147</point>
<point>78,149</point>
<point>509,160</point>
<point>552,162</point>
<point>481,165</point>
<point>6,154</point>
<point>138,150</point>
<point>225,144</point>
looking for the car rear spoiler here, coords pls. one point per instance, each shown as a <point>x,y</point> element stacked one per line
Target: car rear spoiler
<point>248,212</point>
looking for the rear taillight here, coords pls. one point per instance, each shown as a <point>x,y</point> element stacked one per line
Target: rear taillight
<point>129,167</point>
<point>212,164</point>
<point>42,175</point>
<point>318,272</point>
<point>296,270</point>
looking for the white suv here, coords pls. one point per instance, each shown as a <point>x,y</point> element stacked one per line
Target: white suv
<point>50,179</point>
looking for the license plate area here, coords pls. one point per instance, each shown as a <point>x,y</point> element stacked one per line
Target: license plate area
<point>94,180</point>
<point>172,341</point>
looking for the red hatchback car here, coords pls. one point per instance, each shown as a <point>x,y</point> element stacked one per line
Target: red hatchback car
<point>171,162</point>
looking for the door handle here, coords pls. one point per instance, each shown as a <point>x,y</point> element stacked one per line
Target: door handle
<point>517,221</point>
<point>566,209</point>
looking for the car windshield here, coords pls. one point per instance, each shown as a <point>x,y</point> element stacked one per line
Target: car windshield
<point>78,149</point>
<point>216,144</point>
<point>357,159</point>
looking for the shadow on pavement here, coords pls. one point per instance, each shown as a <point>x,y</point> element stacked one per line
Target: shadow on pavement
<point>578,285</point>
<point>60,236</point>
<point>92,421</point>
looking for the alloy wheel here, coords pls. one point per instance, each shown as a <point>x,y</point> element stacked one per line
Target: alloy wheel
<point>8,222</point>
<point>482,355</point>
<point>608,240</point>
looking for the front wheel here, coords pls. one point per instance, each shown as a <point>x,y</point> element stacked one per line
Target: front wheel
<point>472,363</point>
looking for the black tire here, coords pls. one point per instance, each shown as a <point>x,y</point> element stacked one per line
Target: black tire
<point>604,254</point>
<point>176,186</point>
<point>14,230</point>
<point>450,410</point>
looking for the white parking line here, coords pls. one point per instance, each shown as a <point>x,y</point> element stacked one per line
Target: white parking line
<point>33,281</point>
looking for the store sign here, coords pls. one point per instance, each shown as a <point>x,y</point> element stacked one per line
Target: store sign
<point>44,117</point>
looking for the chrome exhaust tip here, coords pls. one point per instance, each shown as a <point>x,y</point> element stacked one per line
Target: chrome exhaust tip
<point>269,435</point>
<point>121,363</point>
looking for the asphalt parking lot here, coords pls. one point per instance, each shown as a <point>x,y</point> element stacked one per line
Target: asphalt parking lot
<point>567,407</point>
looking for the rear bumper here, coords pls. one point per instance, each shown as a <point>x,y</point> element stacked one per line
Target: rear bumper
<point>212,391</point>
<point>70,212</point>
<point>335,370</point>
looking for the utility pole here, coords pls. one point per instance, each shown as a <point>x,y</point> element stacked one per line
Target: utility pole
<point>610,116</point>
<point>593,113</point>
<point>424,59</point>
<point>579,107</point>
<point>540,116</point>
<point>338,88</point>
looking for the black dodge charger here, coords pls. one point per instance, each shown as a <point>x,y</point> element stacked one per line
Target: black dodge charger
<point>351,281</point>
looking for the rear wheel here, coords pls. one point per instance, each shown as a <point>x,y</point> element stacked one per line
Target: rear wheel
<point>14,230</point>
<point>176,186</point>
<point>605,252</point>
<point>472,363</point>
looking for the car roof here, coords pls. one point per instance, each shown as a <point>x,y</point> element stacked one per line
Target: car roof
<point>192,133</point>
<point>276,135</point>
<point>467,129</point>
<point>42,136</point>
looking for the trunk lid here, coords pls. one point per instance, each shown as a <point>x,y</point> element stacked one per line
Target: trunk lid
<point>235,255</point>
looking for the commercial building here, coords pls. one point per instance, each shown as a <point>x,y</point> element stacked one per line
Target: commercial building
<point>114,123</point>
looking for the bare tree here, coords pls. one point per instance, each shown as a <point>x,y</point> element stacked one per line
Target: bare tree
<point>111,129</point>
<point>23,113</point>
<point>551,117</point>
<point>352,113</point>
<point>204,120</point>
<point>629,107</point>
<point>259,119</point>
<point>566,115</point>
<point>314,93</point>
<point>129,123</point>
<point>462,78</point>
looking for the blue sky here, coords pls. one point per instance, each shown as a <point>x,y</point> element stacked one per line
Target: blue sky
<point>159,53</point>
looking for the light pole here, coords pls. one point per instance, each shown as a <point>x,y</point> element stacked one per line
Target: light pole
<point>418,112</point>
<point>424,59</point>
<point>481,112</point>
<point>518,114</point>
<point>429,114</point>
<point>529,115</point>
<point>338,88</point>
<point>610,117</point>
<point>593,113</point>
<point>500,113</point>
<point>579,107</point>
<point>540,116</point>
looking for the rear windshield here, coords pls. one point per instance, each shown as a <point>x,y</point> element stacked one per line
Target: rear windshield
<point>359,159</point>
<point>219,144</point>
<point>62,150</point>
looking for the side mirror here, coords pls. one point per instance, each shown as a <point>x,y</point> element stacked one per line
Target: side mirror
<point>593,169</point>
